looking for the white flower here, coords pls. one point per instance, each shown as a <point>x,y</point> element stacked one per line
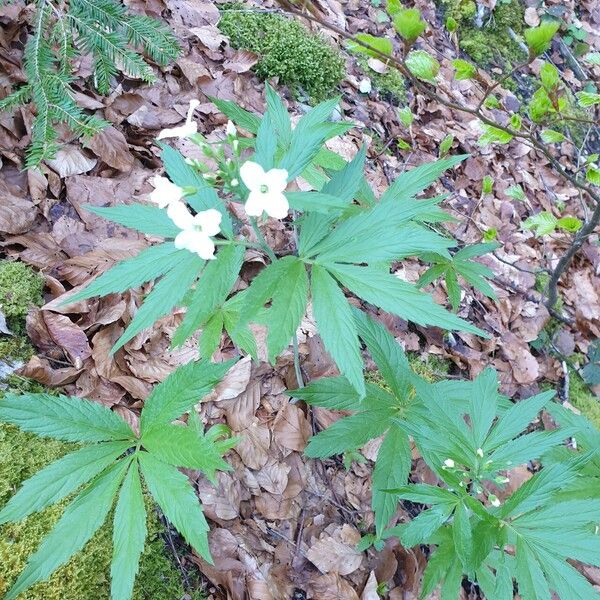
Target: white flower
<point>266,190</point>
<point>230,129</point>
<point>449,463</point>
<point>196,230</point>
<point>185,130</point>
<point>165,192</point>
<point>480,452</point>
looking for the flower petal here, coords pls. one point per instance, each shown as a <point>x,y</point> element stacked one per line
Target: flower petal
<point>180,215</point>
<point>252,175</point>
<point>202,245</point>
<point>165,192</point>
<point>209,220</point>
<point>184,131</point>
<point>277,206</point>
<point>255,205</point>
<point>186,239</point>
<point>276,180</point>
<point>194,104</point>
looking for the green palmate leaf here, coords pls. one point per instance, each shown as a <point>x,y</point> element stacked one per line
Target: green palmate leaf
<point>483,405</point>
<point>423,526</point>
<point>392,469</point>
<point>350,433</point>
<point>61,478</point>
<point>315,201</point>
<point>129,535</point>
<point>131,273</point>
<point>263,287</point>
<point>412,182</point>
<point>381,45</point>
<point>310,133</point>
<point>265,144</point>
<point>336,326</point>
<point>345,182</point>
<point>398,297</point>
<point>464,69</point>
<point>287,308</point>
<point>529,574</point>
<point>141,217</point>
<point>386,352</point>
<point>178,393</point>
<point>64,418</point>
<point>211,335</point>
<point>539,38</point>
<point>463,535</point>
<point>185,176</point>
<point>167,294</point>
<point>423,65</point>
<point>437,568</point>
<point>178,501</point>
<point>279,117</point>
<point>210,293</point>
<point>408,24</point>
<point>183,447</point>
<point>335,393</point>
<point>81,519</point>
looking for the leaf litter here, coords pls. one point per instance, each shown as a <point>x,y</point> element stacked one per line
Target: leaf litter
<point>282,526</point>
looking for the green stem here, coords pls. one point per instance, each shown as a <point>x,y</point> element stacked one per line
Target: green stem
<point>297,369</point>
<point>261,239</point>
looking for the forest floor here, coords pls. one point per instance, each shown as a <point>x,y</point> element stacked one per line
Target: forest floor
<point>283,526</point>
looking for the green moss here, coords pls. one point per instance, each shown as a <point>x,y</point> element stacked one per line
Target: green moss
<point>20,288</point>
<point>87,574</point>
<point>583,399</point>
<point>491,43</point>
<point>431,367</point>
<point>302,60</point>
<point>390,84</point>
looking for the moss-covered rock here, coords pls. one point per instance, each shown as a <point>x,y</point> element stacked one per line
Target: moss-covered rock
<point>20,288</point>
<point>491,43</point>
<point>305,62</point>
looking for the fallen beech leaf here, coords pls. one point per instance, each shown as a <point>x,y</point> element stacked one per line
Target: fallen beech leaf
<point>70,160</point>
<point>292,429</point>
<point>370,590</point>
<point>110,146</point>
<point>234,383</point>
<point>40,370</point>
<point>68,336</point>
<point>336,553</point>
<point>16,214</point>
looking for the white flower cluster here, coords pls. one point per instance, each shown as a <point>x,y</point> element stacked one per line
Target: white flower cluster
<point>266,196</point>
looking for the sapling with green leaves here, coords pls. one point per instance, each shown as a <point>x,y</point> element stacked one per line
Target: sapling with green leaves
<point>111,466</point>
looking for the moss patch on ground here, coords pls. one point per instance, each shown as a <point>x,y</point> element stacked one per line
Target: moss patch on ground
<point>87,575</point>
<point>304,61</point>
<point>583,399</point>
<point>390,84</point>
<point>492,43</point>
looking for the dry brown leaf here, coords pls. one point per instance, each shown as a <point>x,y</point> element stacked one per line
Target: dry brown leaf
<point>336,552</point>
<point>292,429</point>
<point>68,336</point>
<point>70,160</point>
<point>110,145</point>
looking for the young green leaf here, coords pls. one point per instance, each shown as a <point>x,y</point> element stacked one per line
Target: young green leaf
<point>382,45</point>
<point>539,38</point>
<point>178,501</point>
<point>408,24</point>
<point>464,69</point>
<point>64,418</point>
<point>423,65</point>
<point>129,535</point>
